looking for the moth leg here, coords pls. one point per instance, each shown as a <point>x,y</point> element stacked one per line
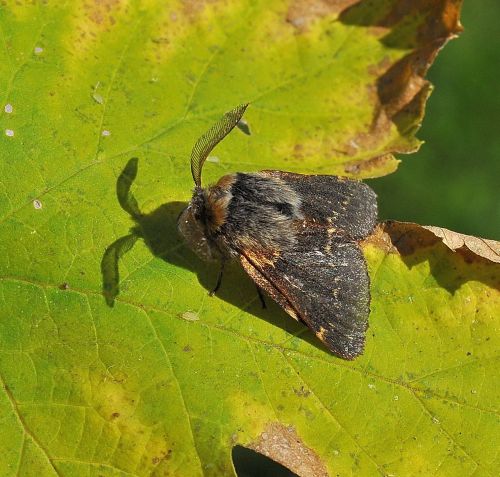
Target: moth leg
<point>261,296</point>
<point>219,279</point>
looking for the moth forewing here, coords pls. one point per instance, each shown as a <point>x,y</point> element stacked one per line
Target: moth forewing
<point>323,282</point>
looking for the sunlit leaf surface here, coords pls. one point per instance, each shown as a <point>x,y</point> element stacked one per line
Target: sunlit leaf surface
<point>153,377</point>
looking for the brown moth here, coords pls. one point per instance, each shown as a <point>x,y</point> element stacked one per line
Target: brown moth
<point>295,235</point>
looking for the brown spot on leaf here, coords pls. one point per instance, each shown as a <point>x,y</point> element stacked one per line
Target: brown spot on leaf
<point>376,164</point>
<point>302,13</point>
<point>283,445</point>
<point>298,151</point>
<point>302,392</point>
<point>165,455</point>
<point>189,315</point>
<point>194,8</point>
<point>100,11</point>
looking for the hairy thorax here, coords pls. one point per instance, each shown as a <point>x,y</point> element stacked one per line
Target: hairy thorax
<point>241,212</point>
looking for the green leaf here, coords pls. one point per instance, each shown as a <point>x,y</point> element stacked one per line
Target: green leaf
<point>168,380</point>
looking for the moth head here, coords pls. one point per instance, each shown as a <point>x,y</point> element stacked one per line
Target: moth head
<point>192,226</point>
<point>193,220</point>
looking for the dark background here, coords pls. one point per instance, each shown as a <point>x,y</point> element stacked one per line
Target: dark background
<point>453,181</point>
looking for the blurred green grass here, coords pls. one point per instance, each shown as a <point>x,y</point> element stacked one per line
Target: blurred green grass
<point>454,180</point>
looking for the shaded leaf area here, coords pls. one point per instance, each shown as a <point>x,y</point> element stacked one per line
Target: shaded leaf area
<point>248,463</point>
<point>140,389</point>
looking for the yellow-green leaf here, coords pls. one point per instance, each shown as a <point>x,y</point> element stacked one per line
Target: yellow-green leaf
<point>168,380</point>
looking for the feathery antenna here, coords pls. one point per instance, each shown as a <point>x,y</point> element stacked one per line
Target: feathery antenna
<point>211,138</point>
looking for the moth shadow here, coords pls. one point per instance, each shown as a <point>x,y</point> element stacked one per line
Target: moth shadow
<point>158,230</point>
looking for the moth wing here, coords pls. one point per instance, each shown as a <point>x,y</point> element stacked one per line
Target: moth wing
<point>323,282</point>
<point>252,264</point>
<point>348,205</point>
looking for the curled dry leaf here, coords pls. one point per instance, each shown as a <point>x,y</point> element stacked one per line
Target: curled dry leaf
<point>489,249</point>
<point>397,87</point>
<point>406,237</point>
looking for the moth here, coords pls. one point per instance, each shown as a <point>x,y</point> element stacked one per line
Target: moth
<point>295,235</point>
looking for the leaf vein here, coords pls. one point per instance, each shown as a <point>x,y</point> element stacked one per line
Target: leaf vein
<point>336,363</point>
<point>325,407</point>
<point>26,429</point>
<point>169,361</point>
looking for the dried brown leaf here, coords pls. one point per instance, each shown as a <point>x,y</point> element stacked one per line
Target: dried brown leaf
<point>489,249</point>
<point>407,237</point>
<point>283,445</point>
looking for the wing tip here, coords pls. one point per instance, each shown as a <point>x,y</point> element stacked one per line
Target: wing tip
<point>345,347</point>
